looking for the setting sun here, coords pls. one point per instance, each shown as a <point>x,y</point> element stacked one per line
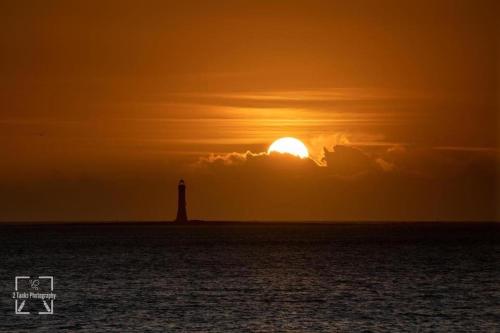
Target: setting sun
<point>290,146</point>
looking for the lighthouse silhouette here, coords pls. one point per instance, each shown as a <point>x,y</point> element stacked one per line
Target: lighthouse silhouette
<point>181,205</point>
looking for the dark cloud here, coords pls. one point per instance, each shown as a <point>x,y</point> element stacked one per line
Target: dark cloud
<point>345,160</point>
<point>398,183</point>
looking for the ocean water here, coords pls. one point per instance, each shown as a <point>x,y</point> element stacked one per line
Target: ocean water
<point>257,277</point>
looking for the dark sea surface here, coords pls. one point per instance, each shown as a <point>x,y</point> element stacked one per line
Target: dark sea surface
<point>257,277</point>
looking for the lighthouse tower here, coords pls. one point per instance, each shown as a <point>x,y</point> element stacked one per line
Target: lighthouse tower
<point>181,208</point>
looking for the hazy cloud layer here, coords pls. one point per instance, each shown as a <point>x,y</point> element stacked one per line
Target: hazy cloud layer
<point>354,183</point>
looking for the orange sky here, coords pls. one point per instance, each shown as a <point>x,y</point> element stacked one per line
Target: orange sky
<point>105,105</point>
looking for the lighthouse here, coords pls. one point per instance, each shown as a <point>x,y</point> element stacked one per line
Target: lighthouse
<point>181,205</point>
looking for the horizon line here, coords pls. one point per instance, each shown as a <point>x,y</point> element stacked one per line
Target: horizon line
<point>208,222</point>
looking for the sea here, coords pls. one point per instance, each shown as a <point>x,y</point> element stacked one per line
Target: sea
<point>251,277</point>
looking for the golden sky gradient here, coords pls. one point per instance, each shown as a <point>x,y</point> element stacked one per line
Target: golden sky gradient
<point>105,105</point>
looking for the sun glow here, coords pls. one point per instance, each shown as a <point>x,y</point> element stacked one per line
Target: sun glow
<point>290,146</point>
